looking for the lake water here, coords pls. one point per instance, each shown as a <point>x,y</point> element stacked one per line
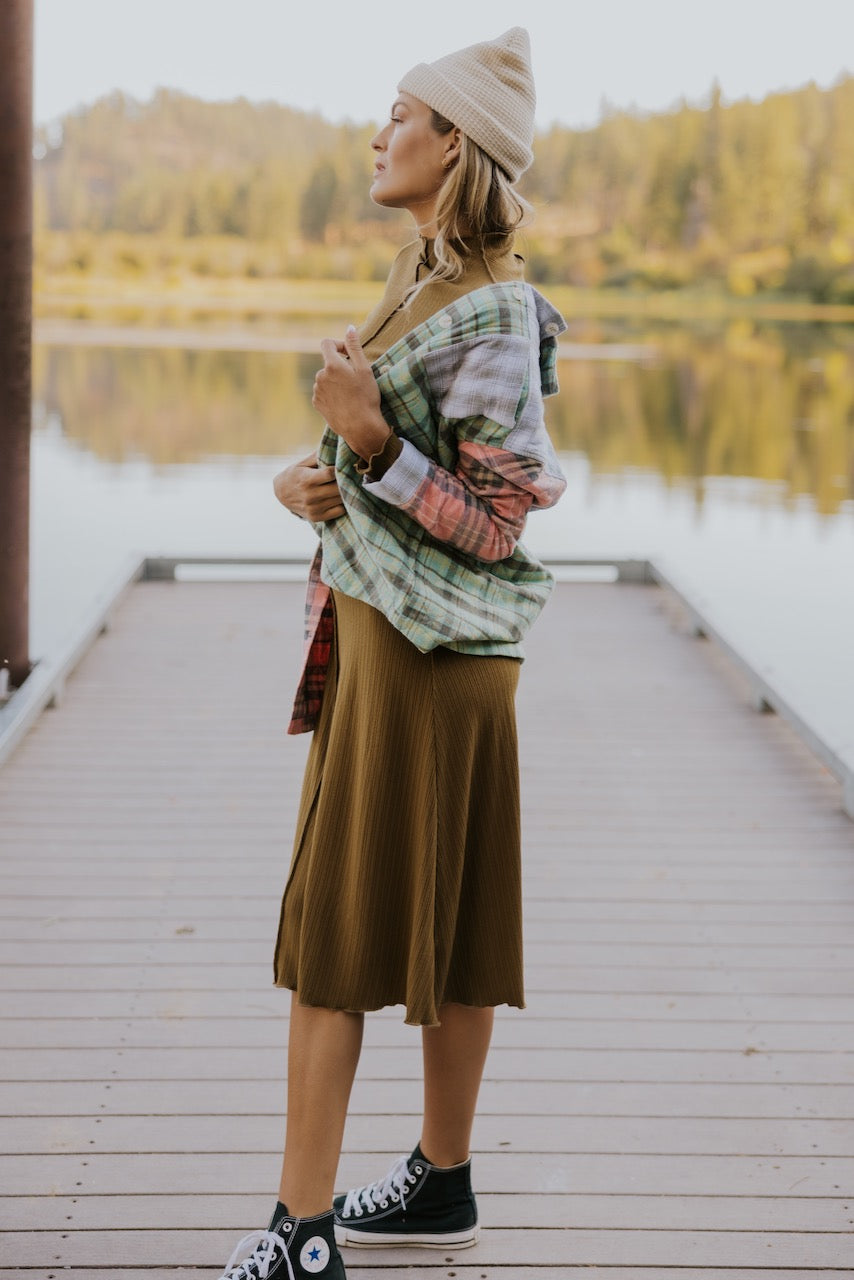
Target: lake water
<point>726,454</point>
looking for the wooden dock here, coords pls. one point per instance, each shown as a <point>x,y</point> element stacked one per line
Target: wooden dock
<point>675,1103</point>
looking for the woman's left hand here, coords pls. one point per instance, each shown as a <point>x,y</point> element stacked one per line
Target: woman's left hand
<point>347,395</point>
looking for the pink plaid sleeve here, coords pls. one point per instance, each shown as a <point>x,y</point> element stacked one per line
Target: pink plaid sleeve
<point>482,506</point>
<point>319,628</point>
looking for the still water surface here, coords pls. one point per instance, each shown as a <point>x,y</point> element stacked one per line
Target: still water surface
<point>725,454</point>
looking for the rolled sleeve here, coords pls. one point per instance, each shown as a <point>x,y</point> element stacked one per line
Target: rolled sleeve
<point>403,477</point>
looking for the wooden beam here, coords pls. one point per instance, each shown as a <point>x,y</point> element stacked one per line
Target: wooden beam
<point>16,150</point>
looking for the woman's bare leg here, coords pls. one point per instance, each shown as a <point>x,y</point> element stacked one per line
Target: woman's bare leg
<point>323,1053</point>
<point>454,1058</point>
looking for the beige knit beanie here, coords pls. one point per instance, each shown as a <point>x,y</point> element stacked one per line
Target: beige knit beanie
<point>487,90</point>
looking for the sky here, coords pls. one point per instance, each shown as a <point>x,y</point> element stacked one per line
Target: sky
<point>344,58</point>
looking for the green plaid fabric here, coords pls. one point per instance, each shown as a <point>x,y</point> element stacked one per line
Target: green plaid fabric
<point>476,371</point>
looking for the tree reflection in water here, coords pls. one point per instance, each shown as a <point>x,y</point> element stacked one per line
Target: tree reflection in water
<point>769,403</point>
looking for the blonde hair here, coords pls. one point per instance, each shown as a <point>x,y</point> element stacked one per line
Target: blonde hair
<point>477,207</point>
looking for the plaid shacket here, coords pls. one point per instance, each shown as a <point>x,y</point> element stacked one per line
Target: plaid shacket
<point>434,544</point>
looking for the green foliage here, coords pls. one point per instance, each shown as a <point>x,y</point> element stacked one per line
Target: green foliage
<point>752,197</point>
<point>317,201</point>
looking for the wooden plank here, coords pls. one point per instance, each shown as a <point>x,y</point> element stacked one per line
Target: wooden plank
<point>497,1247</point>
<point>371,1270</point>
<point>34,1135</point>
<point>548,913</point>
<point>592,1212</point>
<point>520,1172</point>
<point>549,979</point>
<point>534,1035</point>
<point>255,814</point>
<point>403,1097</point>
<point>195,988</point>
<point>167,1018</point>
<point>137,886</point>
<point>747,1064</point>
<point>590,1000</point>
<point>257,951</point>
<point>603,863</point>
<point>545,939</point>
<point>660,878</point>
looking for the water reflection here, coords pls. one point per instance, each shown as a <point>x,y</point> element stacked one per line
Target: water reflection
<point>773,404</point>
<point>173,405</point>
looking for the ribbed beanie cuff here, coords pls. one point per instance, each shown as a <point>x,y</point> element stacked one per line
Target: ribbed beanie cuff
<point>487,90</point>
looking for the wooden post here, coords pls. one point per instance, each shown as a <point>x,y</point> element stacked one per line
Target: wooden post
<point>16,273</point>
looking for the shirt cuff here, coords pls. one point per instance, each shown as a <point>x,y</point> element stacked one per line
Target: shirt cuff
<point>403,477</point>
<point>379,462</point>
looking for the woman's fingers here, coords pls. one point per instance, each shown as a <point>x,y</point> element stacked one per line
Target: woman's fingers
<point>331,350</point>
<point>322,497</point>
<point>326,512</point>
<point>353,348</point>
<point>309,491</point>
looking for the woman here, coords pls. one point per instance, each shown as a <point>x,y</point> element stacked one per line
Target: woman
<point>405,881</point>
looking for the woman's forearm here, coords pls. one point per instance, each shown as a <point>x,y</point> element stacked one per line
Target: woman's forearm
<point>480,508</point>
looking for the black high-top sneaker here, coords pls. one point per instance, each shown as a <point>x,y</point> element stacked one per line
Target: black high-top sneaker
<point>415,1203</point>
<point>290,1249</point>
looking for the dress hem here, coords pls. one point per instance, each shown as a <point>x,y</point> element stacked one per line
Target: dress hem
<point>410,1020</point>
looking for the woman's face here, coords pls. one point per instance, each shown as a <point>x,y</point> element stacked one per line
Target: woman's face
<point>411,160</point>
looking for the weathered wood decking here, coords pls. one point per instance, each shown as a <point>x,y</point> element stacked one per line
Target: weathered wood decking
<point>677,1099</point>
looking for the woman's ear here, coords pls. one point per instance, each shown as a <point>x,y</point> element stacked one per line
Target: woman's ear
<point>453,144</point>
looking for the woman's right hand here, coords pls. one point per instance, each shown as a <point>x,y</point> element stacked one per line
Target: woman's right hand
<point>309,491</point>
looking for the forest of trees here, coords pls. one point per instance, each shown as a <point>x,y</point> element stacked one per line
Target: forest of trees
<point>745,198</point>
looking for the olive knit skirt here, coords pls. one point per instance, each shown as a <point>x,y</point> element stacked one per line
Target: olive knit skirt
<point>405,881</point>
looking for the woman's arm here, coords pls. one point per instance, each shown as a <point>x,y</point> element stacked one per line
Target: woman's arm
<point>481,506</point>
<point>346,393</point>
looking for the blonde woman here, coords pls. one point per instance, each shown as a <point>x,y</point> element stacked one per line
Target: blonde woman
<point>404,886</point>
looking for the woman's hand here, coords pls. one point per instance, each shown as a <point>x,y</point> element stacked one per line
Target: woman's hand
<point>346,394</point>
<point>309,491</point>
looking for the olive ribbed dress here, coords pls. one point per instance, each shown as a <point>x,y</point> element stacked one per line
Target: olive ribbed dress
<point>405,881</point>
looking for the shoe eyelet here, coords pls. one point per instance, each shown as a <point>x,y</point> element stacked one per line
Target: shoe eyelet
<point>287,1226</point>
<point>395,1198</point>
<point>418,1169</point>
<point>372,1209</point>
<point>383,1204</point>
<point>360,1213</point>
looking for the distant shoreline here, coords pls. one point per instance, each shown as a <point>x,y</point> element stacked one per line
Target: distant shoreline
<point>307,308</point>
<point>85,333</point>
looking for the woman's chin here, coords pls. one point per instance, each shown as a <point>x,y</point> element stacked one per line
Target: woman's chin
<point>381,197</point>
<point>385,195</point>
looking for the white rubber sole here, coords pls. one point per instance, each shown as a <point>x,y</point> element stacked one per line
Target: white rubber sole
<point>346,1237</point>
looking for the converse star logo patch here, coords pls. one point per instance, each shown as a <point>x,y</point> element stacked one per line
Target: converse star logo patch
<point>314,1255</point>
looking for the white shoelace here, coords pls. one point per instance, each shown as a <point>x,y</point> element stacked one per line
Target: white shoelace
<point>376,1194</point>
<point>263,1245</point>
